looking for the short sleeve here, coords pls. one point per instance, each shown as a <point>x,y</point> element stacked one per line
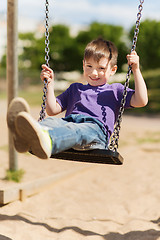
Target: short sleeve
<point>62,99</point>
<point>130,93</point>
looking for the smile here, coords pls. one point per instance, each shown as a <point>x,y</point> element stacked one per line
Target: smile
<point>94,79</point>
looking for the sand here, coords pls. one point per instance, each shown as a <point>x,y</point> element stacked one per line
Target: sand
<point>95,202</point>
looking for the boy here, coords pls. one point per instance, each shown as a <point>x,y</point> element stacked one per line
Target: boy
<point>91,110</point>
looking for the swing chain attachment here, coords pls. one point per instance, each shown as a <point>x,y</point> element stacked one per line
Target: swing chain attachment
<point>47,50</point>
<point>47,34</point>
<point>113,146</point>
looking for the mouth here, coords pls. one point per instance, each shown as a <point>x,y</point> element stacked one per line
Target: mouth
<point>94,79</point>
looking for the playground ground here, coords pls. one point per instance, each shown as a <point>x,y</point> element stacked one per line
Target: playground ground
<point>92,202</point>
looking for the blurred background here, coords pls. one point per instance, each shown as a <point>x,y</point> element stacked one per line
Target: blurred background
<point>72,25</point>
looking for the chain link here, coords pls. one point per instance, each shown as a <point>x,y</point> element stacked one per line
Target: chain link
<point>47,34</point>
<point>115,136</point>
<point>44,98</point>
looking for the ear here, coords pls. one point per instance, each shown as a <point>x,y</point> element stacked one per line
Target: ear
<point>113,70</point>
<point>83,64</point>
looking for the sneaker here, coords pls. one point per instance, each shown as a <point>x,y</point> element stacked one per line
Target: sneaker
<point>36,137</point>
<point>16,106</point>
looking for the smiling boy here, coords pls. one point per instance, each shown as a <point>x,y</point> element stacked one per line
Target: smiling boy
<point>91,109</point>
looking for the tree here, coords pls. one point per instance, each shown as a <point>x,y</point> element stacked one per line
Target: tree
<point>66,52</point>
<point>31,51</point>
<point>62,49</point>
<point>148,46</point>
<point>108,32</point>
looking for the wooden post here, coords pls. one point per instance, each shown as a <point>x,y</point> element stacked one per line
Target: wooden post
<point>12,67</point>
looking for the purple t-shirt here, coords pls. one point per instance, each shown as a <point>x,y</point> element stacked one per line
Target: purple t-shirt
<point>101,102</point>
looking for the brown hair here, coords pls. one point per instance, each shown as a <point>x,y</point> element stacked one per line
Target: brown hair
<point>100,48</point>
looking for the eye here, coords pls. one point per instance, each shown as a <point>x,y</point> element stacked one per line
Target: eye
<point>102,68</point>
<point>89,66</point>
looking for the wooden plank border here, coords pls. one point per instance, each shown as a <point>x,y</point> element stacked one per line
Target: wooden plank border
<point>24,190</point>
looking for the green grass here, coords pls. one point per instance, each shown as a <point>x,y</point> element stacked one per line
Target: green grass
<point>4,148</point>
<point>150,137</point>
<point>14,175</point>
<point>32,95</point>
<point>3,95</point>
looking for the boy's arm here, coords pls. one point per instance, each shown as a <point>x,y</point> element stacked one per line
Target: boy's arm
<point>140,97</point>
<point>52,106</point>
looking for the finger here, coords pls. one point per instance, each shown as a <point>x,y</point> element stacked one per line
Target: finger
<point>45,71</point>
<point>133,53</point>
<point>45,67</point>
<point>128,57</point>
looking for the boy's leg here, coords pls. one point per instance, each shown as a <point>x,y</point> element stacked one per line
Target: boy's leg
<point>37,137</point>
<point>54,135</point>
<point>16,106</point>
<point>65,135</point>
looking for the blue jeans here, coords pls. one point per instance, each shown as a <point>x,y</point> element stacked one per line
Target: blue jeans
<point>75,131</point>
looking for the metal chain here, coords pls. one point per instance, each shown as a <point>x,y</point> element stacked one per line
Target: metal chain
<point>115,136</point>
<point>44,97</point>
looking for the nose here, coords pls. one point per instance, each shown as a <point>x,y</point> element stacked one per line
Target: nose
<point>94,72</point>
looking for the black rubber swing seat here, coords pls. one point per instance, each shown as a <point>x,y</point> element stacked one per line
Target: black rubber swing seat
<point>101,156</point>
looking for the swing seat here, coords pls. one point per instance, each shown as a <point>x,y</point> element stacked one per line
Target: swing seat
<point>101,156</point>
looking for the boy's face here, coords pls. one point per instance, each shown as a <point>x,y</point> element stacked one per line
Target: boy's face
<point>98,73</point>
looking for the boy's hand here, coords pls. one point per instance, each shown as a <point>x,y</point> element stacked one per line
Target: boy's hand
<point>133,60</point>
<point>47,73</point>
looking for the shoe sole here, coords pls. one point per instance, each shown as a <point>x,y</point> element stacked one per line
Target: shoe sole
<point>29,130</point>
<point>16,106</point>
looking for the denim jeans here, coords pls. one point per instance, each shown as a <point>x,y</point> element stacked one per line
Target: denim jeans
<point>75,131</point>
